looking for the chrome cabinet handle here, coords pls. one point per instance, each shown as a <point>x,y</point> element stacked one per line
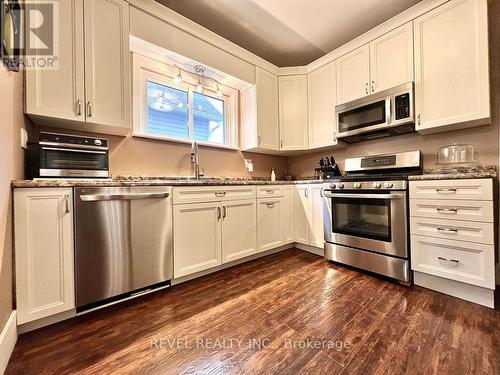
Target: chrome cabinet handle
<point>446,190</point>
<point>270,205</point>
<point>258,140</point>
<point>66,200</point>
<point>366,88</point>
<point>89,109</point>
<point>224,212</point>
<point>220,193</point>
<point>306,194</point>
<point>321,193</point>
<point>281,144</point>
<point>121,197</point>
<point>447,210</point>
<point>449,260</point>
<point>373,86</point>
<point>447,230</point>
<point>218,213</point>
<point>78,107</point>
<point>270,191</point>
<point>418,119</point>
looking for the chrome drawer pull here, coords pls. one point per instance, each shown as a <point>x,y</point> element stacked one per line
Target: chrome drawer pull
<point>446,190</point>
<point>448,230</point>
<point>456,261</point>
<point>448,210</point>
<point>270,205</point>
<point>220,194</point>
<point>270,191</point>
<point>218,214</point>
<point>66,200</point>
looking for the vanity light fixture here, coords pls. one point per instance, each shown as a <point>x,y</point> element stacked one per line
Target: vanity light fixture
<point>178,77</point>
<point>219,91</point>
<point>200,71</point>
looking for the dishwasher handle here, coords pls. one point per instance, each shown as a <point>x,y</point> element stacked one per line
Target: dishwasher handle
<point>121,197</point>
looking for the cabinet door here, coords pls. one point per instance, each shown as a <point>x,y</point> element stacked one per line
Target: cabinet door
<point>321,104</point>
<point>197,237</point>
<point>451,66</point>
<point>267,110</point>
<point>269,223</point>
<point>293,112</point>
<point>353,74</point>
<point>391,58</point>
<point>301,215</point>
<point>287,214</point>
<point>59,93</point>
<point>107,71</point>
<point>239,229</point>
<point>316,216</point>
<point>44,252</point>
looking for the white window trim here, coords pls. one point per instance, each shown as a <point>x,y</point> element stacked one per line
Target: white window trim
<point>145,68</point>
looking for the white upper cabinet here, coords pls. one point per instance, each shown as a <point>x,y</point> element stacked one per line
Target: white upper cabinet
<point>107,77</point>
<point>293,112</point>
<point>391,59</point>
<point>259,113</point>
<point>321,107</point>
<point>451,66</point>
<point>90,89</point>
<point>353,74</point>
<point>60,93</point>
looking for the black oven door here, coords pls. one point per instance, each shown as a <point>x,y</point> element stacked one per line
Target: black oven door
<point>72,162</point>
<point>373,221</point>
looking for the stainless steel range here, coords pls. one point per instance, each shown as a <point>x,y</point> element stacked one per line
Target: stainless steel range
<point>366,214</point>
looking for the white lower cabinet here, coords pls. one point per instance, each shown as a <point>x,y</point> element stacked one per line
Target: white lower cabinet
<point>197,237</point>
<point>43,222</point>
<point>308,215</point>
<point>269,223</point>
<point>239,229</point>
<point>288,214</point>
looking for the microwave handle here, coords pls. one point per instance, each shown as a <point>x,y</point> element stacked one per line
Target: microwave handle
<point>388,108</point>
<point>72,150</point>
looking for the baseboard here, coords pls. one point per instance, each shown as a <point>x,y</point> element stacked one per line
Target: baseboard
<point>472,293</point>
<point>311,249</point>
<point>8,339</point>
<point>43,322</point>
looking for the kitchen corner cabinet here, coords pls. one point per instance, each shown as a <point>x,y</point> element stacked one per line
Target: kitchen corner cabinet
<point>44,256</point>
<point>451,70</point>
<point>381,64</point>
<point>90,90</point>
<point>259,113</point>
<point>293,112</point>
<point>321,107</point>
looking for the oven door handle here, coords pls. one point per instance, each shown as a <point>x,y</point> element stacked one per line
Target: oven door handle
<point>121,197</point>
<point>72,150</point>
<point>366,196</point>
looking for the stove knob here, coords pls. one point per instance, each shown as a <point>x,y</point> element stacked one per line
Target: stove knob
<point>341,186</point>
<point>388,185</point>
<point>333,186</point>
<point>377,185</point>
<point>356,185</point>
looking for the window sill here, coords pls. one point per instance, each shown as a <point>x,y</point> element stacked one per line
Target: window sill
<point>185,141</point>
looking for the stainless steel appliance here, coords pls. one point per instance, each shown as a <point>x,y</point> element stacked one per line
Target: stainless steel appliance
<point>366,214</point>
<point>123,242</point>
<point>389,112</point>
<point>63,155</point>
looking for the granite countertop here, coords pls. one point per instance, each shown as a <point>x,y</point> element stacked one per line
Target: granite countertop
<point>449,173</point>
<point>154,181</point>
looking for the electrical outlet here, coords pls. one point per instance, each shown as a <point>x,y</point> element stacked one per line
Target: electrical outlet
<point>249,165</point>
<point>24,138</point>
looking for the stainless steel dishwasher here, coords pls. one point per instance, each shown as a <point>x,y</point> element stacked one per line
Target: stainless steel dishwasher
<point>123,242</point>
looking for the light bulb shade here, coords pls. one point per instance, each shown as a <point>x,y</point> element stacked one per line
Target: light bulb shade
<point>178,79</point>
<point>199,87</point>
<point>219,92</point>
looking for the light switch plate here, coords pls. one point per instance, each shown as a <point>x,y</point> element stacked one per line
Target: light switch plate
<point>249,165</point>
<point>24,138</point>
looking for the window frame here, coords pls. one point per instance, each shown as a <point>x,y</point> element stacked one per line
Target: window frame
<point>147,70</point>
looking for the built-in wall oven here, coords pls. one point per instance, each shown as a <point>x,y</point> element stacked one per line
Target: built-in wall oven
<point>389,112</point>
<point>366,217</point>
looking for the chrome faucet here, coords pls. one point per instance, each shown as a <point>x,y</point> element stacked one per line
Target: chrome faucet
<point>195,160</point>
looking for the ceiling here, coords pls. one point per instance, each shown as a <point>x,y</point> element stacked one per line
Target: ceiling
<point>289,32</point>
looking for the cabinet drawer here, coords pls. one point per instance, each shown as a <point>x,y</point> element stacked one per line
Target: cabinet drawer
<point>471,231</point>
<point>198,194</point>
<point>475,189</point>
<point>455,260</point>
<point>269,191</point>
<point>453,209</point>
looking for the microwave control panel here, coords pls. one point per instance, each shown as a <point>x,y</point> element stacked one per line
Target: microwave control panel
<point>402,103</point>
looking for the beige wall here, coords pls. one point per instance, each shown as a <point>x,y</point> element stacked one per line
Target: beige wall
<point>11,166</point>
<point>485,138</point>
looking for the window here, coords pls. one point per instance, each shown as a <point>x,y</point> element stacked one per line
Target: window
<point>166,110</point>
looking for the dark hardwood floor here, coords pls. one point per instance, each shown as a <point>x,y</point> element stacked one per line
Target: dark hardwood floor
<point>257,317</point>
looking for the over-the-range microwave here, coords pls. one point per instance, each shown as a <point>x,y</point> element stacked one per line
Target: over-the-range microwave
<point>383,114</point>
